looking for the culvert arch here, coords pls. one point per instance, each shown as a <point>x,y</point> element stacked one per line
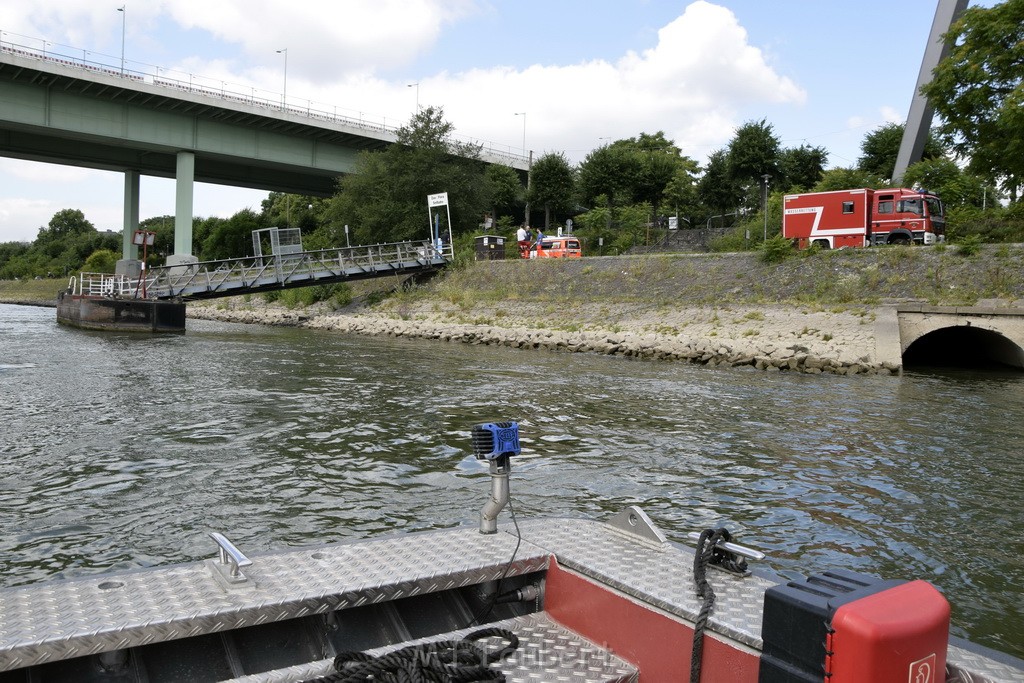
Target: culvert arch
<point>962,337</point>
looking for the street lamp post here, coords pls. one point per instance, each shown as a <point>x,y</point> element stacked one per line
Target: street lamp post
<point>523,114</point>
<point>417,86</point>
<point>764,205</point>
<point>529,168</point>
<point>124,16</point>
<point>284,94</point>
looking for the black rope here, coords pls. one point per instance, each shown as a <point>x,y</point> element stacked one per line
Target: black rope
<point>709,538</point>
<point>443,661</point>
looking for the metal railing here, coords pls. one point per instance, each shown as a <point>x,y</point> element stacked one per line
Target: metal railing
<point>211,279</point>
<point>139,72</point>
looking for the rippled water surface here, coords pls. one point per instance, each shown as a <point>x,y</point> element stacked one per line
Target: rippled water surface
<point>121,451</point>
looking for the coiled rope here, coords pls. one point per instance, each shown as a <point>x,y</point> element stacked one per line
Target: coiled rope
<point>709,538</point>
<point>443,661</point>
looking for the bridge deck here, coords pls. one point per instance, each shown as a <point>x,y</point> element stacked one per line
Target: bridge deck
<point>231,277</point>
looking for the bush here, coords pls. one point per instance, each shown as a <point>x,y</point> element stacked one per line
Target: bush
<point>101,261</point>
<point>969,246</point>
<point>776,249</point>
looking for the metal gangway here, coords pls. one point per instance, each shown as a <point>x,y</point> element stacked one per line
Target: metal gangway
<point>231,277</point>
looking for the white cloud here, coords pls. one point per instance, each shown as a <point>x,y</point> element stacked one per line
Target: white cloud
<point>890,115</point>
<point>697,83</point>
<point>692,84</point>
<point>20,218</point>
<point>36,172</point>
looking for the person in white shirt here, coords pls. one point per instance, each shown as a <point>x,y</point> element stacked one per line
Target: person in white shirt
<point>523,237</point>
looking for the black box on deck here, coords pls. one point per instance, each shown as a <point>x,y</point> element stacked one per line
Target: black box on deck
<point>797,618</point>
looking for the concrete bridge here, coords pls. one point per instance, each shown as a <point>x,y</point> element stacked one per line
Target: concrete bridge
<point>65,109</point>
<point>985,335</point>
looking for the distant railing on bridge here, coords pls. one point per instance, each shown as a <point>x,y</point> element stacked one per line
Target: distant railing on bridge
<point>138,72</point>
<point>211,279</point>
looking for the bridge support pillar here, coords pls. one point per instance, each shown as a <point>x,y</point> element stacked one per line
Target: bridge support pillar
<point>183,188</point>
<point>129,263</point>
<point>131,215</point>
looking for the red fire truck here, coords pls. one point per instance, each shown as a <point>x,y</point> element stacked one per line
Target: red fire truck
<point>862,218</point>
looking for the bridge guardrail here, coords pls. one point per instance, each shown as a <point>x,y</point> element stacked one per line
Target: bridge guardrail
<point>97,63</point>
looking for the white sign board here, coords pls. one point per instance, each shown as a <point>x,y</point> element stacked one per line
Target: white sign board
<point>439,199</point>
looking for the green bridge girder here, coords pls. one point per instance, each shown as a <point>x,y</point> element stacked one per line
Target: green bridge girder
<point>63,110</point>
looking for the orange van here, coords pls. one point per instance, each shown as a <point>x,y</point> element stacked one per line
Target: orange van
<point>557,247</point>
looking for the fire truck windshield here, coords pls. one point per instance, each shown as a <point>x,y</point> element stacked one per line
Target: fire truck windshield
<point>909,206</point>
<point>934,207</point>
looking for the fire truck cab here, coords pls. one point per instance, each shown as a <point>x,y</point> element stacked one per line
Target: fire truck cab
<point>863,217</point>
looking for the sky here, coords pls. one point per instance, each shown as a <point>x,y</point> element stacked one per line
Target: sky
<point>562,76</point>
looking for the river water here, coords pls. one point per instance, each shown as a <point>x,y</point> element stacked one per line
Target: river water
<point>119,451</point>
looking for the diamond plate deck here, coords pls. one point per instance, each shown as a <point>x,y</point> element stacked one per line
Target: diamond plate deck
<point>658,574</point>
<point>661,575</point>
<point>547,653</point>
<point>64,619</point>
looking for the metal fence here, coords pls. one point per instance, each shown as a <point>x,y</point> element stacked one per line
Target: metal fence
<point>211,279</point>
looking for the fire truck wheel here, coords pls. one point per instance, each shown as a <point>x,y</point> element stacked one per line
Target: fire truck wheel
<point>901,240</point>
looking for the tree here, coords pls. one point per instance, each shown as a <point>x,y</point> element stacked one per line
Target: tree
<point>802,167</point>
<point>754,153</point>
<point>163,241</point>
<point>385,200</point>
<point>100,261</point>
<point>608,172</point>
<point>65,223</point>
<point>231,237</point>
<point>285,210</point>
<point>881,146</point>
<point>717,189</point>
<point>978,90</point>
<point>680,196</point>
<point>955,186</point>
<point>847,179</point>
<point>505,188</point>
<point>552,184</point>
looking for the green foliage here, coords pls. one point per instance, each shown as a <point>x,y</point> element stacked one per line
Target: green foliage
<point>552,185</point>
<point>648,169</point>
<point>776,249</point>
<point>755,223</point>
<point>59,249</point>
<point>65,223</point>
<point>230,237</point>
<point>802,167</point>
<point>385,199</point>
<point>284,210</point>
<point>994,224</point>
<point>955,186</point>
<point>101,261</point>
<point>717,189</point>
<point>610,172</point>
<point>505,188</point>
<point>969,245</point>
<point>753,152</point>
<point>978,91</point>
<point>847,179</point>
<point>734,240</point>
<point>881,146</point>
<point>621,228</point>
<point>163,241</point>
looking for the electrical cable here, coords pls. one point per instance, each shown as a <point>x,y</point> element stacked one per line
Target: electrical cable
<point>480,616</point>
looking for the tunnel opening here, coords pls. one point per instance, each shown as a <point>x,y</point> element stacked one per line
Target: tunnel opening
<point>964,346</point>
